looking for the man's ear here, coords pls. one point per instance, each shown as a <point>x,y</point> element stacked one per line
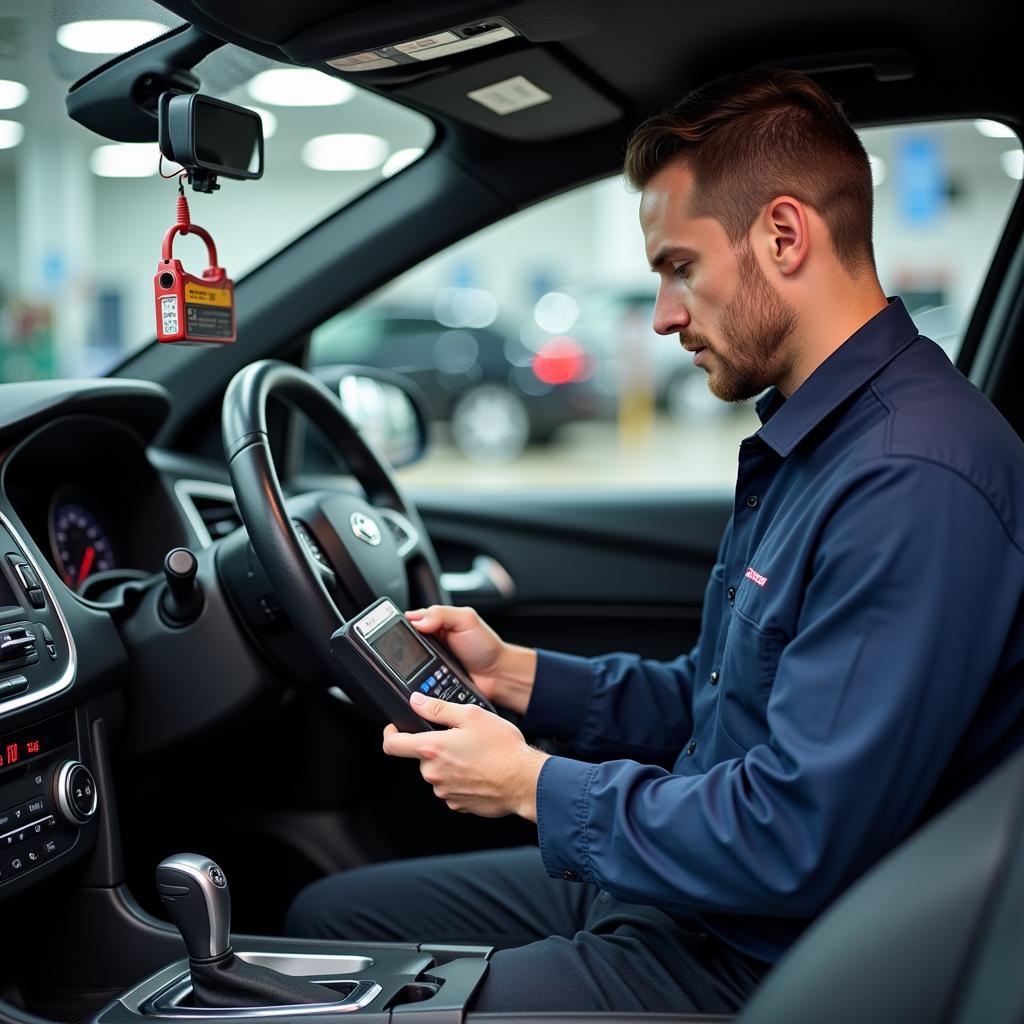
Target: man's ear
<point>785,224</point>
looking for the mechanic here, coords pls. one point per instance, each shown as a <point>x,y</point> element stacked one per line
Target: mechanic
<point>858,664</point>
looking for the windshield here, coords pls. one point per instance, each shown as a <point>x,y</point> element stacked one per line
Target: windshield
<point>82,219</point>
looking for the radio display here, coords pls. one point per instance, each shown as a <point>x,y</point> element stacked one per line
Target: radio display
<point>401,650</point>
<point>19,747</point>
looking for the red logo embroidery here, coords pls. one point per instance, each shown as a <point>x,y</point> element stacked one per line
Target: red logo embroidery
<point>755,576</point>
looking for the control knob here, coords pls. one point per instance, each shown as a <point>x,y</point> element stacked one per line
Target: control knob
<point>75,792</point>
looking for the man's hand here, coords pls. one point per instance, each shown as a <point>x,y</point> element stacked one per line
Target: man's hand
<point>502,672</point>
<point>481,764</point>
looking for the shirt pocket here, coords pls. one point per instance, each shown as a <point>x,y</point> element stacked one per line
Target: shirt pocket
<point>749,664</point>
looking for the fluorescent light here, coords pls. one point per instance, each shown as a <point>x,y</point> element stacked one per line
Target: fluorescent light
<point>556,312</point>
<point>113,35</point>
<point>1012,161</point>
<point>299,87</point>
<point>877,169</point>
<point>400,159</point>
<point>11,133</point>
<point>269,121</point>
<point>12,94</point>
<point>344,152</point>
<point>125,160</point>
<point>995,130</point>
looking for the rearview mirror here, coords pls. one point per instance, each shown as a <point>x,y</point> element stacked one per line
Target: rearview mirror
<point>209,137</point>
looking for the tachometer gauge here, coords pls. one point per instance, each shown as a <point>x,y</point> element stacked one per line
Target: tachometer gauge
<point>81,546</point>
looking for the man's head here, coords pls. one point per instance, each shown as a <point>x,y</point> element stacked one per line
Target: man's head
<point>756,209</point>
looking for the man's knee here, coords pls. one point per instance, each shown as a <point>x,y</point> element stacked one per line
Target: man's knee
<point>313,912</point>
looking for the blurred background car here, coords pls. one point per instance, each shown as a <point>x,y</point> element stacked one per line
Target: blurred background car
<point>493,393</point>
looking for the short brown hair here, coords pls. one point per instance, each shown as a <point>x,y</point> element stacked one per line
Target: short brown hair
<point>751,137</point>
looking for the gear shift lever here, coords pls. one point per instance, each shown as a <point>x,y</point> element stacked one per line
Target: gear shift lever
<point>195,892</point>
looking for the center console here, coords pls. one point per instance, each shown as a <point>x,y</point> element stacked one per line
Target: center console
<point>274,978</point>
<point>361,981</point>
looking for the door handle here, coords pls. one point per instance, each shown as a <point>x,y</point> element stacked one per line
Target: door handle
<point>486,578</point>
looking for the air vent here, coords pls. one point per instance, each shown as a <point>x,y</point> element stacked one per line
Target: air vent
<point>210,509</point>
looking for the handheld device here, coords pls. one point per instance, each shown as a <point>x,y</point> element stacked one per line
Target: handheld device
<point>389,660</point>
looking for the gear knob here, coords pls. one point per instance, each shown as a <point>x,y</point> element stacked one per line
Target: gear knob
<point>195,892</point>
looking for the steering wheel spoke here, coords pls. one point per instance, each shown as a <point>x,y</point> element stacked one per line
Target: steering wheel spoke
<point>327,554</point>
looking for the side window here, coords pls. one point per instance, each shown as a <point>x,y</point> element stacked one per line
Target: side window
<point>536,350</point>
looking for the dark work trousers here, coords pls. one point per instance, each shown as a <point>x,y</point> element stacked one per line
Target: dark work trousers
<point>561,945</point>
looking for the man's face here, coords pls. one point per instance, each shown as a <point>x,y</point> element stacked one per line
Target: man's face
<point>714,296</point>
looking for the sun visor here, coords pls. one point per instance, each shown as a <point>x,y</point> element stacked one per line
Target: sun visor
<point>527,96</point>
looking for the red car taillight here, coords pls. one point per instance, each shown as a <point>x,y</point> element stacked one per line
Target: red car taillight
<point>561,360</point>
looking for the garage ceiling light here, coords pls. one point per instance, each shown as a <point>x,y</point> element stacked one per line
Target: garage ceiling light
<point>877,169</point>
<point>12,94</point>
<point>1012,161</point>
<point>11,133</point>
<point>400,159</point>
<point>269,121</point>
<point>299,87</point>
<point>556,312</point>
<point>125,160</point>
<point>994,129</point>
<point>344,152</point>
<point>107,36</point>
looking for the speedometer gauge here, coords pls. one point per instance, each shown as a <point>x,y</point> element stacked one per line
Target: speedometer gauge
<point>81,545</point>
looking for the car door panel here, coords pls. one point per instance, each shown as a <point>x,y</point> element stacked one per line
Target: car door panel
<point>590,571</point>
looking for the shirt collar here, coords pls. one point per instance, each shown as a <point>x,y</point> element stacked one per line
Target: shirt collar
<point>786,422</point>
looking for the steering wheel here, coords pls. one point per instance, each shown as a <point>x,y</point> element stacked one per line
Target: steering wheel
<point>327,554</point>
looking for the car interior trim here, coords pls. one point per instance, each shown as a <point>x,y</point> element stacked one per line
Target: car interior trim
<point>186,490</point>
<point>67,677</point>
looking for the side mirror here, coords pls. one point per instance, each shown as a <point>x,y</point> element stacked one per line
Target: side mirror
<point>209,137</point>
<point>386,412</point>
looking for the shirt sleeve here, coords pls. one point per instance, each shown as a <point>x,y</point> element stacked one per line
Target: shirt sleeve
<point>618,705</point>
<point>912,591</point>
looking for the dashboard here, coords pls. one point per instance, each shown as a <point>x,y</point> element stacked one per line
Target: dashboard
<point>95,506</point>
<point>88,511</point>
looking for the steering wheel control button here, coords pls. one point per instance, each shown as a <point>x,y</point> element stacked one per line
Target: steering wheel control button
<point>217,877</point>
<point>76,792</point>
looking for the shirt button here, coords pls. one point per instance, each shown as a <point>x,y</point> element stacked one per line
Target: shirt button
<point>752,501</point>
<point>714,678</point>
<point>691,746</point>
<point>731,594</point>
<point>570,875</point>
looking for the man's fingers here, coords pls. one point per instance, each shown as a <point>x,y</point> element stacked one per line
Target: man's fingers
<point>441,616</point>
<point>406,744</point>
<point>442,712</point>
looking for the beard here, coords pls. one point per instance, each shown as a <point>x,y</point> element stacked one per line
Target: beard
<point>754,327</point>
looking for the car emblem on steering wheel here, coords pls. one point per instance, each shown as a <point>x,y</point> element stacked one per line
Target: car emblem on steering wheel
<point>365,528</point>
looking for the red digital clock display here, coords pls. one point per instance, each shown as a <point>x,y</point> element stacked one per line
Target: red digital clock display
<point>17,747</point>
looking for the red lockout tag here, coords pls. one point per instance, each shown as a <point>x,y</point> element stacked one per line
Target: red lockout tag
<point>190,309</point>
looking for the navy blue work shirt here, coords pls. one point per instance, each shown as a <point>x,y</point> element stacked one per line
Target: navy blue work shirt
<point>859,660</point>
